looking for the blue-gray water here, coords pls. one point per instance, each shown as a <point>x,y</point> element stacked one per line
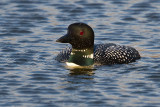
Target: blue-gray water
<point>29,75</point>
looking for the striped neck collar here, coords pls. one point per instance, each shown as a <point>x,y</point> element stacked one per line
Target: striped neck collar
<point>83,57</point>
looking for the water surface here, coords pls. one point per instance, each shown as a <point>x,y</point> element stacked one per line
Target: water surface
<point>29,75</point>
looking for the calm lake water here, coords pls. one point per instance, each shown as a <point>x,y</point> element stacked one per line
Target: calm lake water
<point>29,75</point>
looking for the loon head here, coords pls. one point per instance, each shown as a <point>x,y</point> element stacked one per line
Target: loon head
<point>79,35</point>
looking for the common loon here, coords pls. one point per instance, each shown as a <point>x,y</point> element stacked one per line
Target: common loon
<point>85,53</point>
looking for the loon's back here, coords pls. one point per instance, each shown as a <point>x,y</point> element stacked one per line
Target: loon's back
<point>106,54</point>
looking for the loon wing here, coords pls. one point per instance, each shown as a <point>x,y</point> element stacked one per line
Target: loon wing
<point>115,54</point>
<point>64,55</point>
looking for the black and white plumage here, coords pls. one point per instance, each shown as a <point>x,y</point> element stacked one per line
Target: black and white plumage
<point>106,54</point>
<point>81,37</point>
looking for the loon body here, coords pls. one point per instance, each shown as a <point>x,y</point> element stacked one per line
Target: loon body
<point>85,53</point>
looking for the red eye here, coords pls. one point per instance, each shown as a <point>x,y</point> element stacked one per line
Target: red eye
<point>81,33</point>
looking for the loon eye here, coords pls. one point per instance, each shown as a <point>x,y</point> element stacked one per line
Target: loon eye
<point>81,33</point>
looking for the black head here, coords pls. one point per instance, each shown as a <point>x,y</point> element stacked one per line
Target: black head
<point>79,35</point>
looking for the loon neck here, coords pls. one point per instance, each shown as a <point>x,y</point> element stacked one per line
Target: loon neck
<point>81,57</point>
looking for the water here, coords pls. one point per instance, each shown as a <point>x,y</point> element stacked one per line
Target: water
<point>29,75</point>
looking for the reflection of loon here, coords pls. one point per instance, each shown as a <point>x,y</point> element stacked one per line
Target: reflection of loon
<point>81,71</point>
<point>85,53</point>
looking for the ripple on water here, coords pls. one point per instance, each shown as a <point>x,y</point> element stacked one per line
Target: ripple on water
<point>153,17</point>
<point>29,75</point>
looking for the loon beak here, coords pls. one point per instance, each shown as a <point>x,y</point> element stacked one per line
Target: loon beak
<point>63,39</point>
